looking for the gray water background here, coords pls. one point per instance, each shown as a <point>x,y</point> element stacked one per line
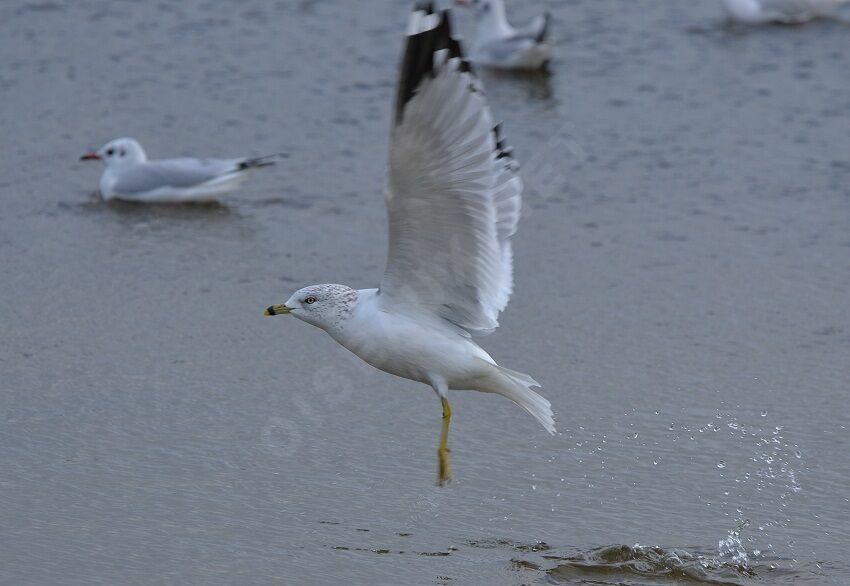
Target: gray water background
<point>682,277</point>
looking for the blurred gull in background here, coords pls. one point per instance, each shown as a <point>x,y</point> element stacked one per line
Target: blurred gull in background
<point>499,45</point>
<point>778,11</point>
<point>130,176</point>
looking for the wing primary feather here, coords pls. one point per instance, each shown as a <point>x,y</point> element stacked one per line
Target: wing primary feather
<point>257,162</point>
<point>418,61</point>
<point>503,149</point>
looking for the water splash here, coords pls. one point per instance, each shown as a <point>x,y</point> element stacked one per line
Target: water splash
<point>731,547</point>
<point>771,472</point>
<point>638,564</point>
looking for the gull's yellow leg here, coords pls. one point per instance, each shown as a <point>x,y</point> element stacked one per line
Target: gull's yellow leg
<point>444,469</point>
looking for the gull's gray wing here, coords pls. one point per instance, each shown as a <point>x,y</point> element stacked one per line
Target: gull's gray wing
<point>504,50</point>
<point>537,29</point>
<point>795,9</point>
<point>453,196</point>
<point>507,49</point>
<point>176,173</point>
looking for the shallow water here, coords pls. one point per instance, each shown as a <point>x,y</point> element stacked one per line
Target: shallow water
<point>681,294</point>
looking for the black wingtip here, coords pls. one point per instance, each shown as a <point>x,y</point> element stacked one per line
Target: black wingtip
<point>503,149</point>
<point>418,60</point>
<point>543,35</point>
<point>426,6</point>
<point>257,162</point>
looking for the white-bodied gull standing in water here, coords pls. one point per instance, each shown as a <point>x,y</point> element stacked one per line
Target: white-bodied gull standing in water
<point>499,45</point>
<point>130,176</point>
<point>778,11</point>
<point>453,200</point>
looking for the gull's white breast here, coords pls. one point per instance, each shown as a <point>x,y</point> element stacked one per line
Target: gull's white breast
<point>412,346</point>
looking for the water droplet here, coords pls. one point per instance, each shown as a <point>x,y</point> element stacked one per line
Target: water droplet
<point>764,413</point>
<point>721,464</point>
<point>798,454</point>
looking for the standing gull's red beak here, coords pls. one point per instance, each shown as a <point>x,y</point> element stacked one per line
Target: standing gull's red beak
<point>92,156</point>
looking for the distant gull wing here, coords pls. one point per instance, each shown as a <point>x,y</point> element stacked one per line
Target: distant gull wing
<point>783,11</point>
<point>178,173</point>
<point>790,8</point>
<point>453,197</point>
<point>505,49</point>
<point>537,29</point>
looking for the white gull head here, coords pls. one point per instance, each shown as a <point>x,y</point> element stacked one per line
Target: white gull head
<point>119,152</point>
<point>324,306</point>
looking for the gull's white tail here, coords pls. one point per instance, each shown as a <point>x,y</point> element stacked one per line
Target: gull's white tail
<point>516,386</point>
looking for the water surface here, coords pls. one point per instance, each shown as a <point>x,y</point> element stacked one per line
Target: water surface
<point>682,271</point>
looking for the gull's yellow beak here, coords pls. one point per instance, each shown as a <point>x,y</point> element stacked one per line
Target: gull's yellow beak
<point>278,309</point>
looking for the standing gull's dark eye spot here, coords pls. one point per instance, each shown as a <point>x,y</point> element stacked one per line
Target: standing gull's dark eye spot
<point>310,300</point>
<point>110,152</point>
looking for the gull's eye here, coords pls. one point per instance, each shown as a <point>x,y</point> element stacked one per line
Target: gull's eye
<point>110,152</point>
<point>123,152</point>
<point>310,300</point>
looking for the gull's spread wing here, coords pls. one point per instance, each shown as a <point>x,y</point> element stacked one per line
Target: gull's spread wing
<point>453,197</point>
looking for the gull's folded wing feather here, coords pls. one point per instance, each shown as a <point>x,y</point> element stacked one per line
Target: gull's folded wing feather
<point>537,29</point>
<point>453,197</point>
<point>797,9</point>
<point>503,50</point>
<point>177,173</point>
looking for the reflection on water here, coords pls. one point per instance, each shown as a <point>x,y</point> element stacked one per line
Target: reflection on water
<point>178,211</point>
<point>135,222</point>
<point>528,85</point>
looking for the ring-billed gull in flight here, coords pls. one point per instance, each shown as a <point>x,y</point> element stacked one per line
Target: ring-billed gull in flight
<point>129,175</point>
<point>453,200</point>
<point>780,11</point>
<point>499,45</point>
